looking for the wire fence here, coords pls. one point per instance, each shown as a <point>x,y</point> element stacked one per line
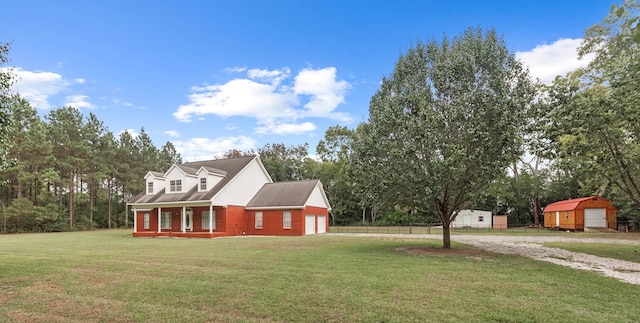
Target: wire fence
<point>429,229</point>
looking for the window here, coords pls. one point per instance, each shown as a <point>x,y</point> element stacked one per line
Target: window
<point>258,220</point>
<point>205,220</point>
<point>203,184</point>
<point>175,185</point>
<point>146,220</point>
<point>165,220</point>
<point>150,187</point>
<point>481,218</point>
<point>286,219</point>
<point>566,215</point>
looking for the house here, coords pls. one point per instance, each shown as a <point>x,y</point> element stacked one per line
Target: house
<point>227,197</point>
<point>580,213</point>
<point>472,219</point>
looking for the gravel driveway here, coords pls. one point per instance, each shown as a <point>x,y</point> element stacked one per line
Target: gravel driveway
<point>530,246</point>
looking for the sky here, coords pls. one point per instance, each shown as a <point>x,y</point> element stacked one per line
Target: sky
<point>211,76</point>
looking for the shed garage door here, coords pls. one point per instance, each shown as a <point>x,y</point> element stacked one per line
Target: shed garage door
<point>310,224</point>
<point>322,224</point>
<point>595,218</point>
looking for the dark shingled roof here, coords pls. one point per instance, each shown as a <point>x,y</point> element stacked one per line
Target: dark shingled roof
<point>283,194</point>
<point>230,167</point>
<point>157,174</point>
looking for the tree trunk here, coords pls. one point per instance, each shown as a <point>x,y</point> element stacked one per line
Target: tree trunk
<point>92,202</point>
<point>536,216</point>
<point>446,236</point>
<point>110,198</point>
<point>71,189</point>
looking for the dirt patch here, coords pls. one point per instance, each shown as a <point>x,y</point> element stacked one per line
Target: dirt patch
<point>441,252</point>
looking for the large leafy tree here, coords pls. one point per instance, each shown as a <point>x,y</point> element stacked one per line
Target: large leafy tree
<point>592,115</point>
<point>335,151</point>
<point>6,80</point>
<point>446,123</point>
<point>284,163</point>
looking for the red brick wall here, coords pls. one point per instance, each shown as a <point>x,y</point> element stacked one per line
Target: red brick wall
<point>235,220</point>
<point>197,218</point>
<point>273,223</point>
<point>153,220</point>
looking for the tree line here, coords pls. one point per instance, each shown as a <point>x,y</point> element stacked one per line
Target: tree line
<point>459,123</point>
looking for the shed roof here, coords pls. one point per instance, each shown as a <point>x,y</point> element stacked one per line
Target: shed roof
<point>283,194</point>
<point>569,205</point>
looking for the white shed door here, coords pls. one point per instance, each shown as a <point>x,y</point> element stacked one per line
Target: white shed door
<point>595,218</point>
<point>322,224</point>
<point>310,224</point>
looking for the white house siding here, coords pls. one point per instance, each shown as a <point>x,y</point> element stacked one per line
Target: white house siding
<point>158,183</point>
<point>471,218</point>
<point>212,179</point>
<point>241,189</point>
<point>317,198</point>
<point>176,173</point>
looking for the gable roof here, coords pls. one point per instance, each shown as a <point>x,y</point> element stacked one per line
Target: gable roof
<point>293,194</point>
<point>231,167</point>
<point>568,205</point>
<point>155,174</point>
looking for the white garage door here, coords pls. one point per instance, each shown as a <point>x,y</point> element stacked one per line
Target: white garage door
<point>322,224</point>
<point>310,224</point>
<point>595,218</point>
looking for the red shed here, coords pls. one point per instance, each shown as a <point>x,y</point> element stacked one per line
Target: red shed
<point>577,214</point>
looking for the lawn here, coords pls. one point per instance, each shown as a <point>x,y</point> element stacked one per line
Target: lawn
<point>628,252</point>
<point>109,276</point>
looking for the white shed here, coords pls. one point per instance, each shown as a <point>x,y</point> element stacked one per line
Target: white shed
<point>472,219</point>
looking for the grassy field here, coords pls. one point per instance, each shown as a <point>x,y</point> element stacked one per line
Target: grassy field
<point>107,276</point>
<point>483,231</point>
<point>616,251</point>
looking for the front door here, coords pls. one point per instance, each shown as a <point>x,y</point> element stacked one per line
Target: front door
<point>188,220</point>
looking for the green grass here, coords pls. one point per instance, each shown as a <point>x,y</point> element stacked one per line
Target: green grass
<point>483,231</point>
<point>626,252</point>
<point>106,276</point>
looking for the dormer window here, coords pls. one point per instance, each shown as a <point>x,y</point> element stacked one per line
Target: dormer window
<point>203,184</point>
<point>175,185</point>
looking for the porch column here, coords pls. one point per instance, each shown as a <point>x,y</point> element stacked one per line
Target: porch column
<point>159,218</point>
<point>210,218</point>
<point>135,220</point>
<point>184,213</point>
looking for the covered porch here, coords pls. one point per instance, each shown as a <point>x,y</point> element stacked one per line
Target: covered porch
<point>194,220</point>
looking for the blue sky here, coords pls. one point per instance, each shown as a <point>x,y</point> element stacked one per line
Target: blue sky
<point>211,76</point>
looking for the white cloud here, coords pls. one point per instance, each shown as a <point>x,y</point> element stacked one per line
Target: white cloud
<point>546,61</point>
<point>274,77</point>
<point>326,93</point>
<point>285,128</point>
<point>205,148</point>
<point>79,101</point>
<point>172,133</point>
<point>265,96</point>
<point>118,101</point>
<point>239,97</point>
<point>40,87</point>
<point>37,86</point>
